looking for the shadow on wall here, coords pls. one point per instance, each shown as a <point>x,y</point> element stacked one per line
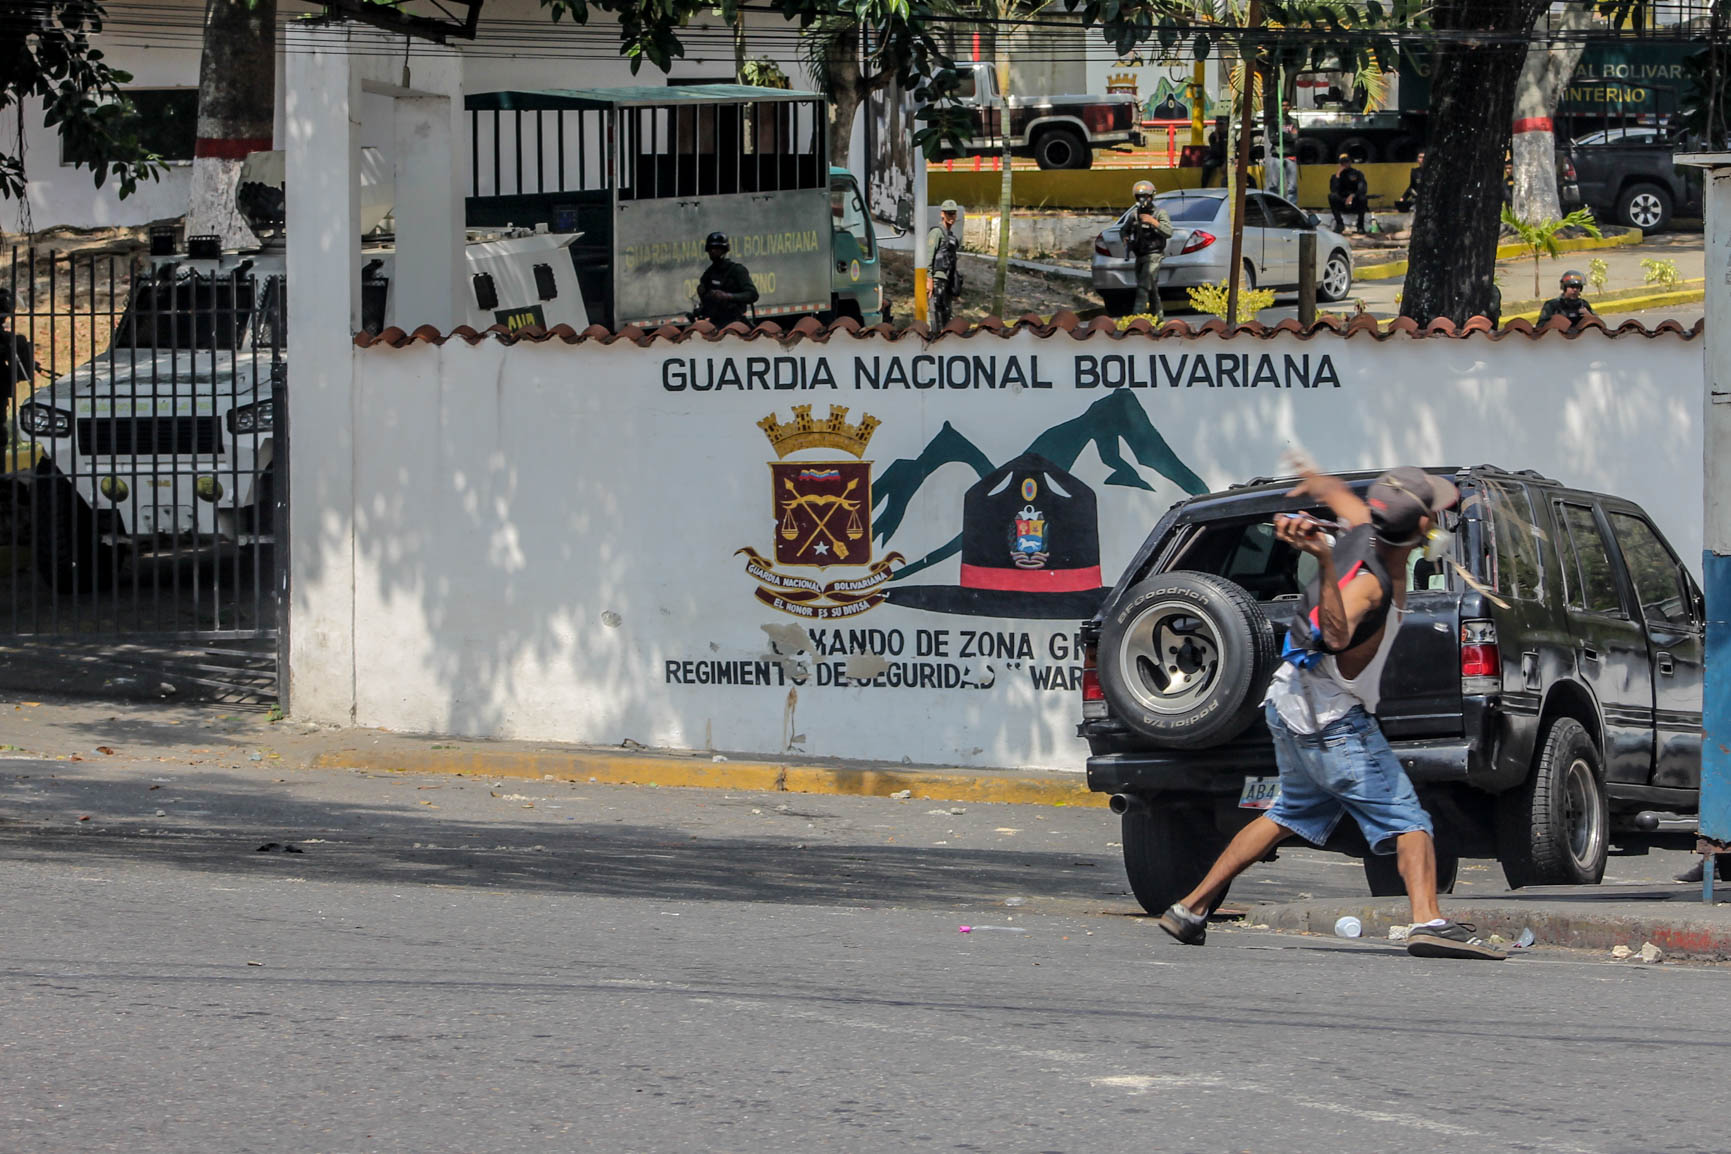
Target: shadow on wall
<point>545,537</point>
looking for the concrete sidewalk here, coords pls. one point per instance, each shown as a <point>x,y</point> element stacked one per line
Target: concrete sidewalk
<point>1598,918</point>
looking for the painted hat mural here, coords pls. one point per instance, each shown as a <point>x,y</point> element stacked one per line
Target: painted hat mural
<point>1030,548</point>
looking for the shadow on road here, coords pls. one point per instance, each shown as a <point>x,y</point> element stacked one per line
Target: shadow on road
<point>374,845</point>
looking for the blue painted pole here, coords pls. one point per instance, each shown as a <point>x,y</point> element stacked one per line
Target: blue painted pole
<point>1715,828</point>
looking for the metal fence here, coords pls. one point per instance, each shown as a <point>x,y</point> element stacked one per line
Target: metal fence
<point>143,476</point>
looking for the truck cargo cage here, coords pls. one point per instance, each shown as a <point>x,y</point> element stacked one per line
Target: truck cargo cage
<point>143,464</point>
<point>627,168</point>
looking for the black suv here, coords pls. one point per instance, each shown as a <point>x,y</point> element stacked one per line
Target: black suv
<point>1543,709</point>
<point>1629,176</point>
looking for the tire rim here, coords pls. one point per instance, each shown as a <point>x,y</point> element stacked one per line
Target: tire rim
<point>1645,211</point>
<point>1170,657</point>
<point>1581,815</point>
<point>1336,278</point>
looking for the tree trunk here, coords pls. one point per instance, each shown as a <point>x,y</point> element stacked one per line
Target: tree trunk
<point>236,112</point>
<point>846,90</point>
<point>1453,252</point>
<point>1544,75</point>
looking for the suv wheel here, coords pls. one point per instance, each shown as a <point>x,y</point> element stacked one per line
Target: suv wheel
<point>1555,829</point>
<point>1645,206</point>
<point>1383,875</point>
<point>1184,659</point>
<point>1168,846</point>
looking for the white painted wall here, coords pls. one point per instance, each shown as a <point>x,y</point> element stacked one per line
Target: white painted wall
<point>524,536</point>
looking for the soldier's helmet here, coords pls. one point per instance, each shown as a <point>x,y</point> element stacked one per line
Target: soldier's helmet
<point>717,240</point>
<point>1143,190</point>
<point>1573,279</point>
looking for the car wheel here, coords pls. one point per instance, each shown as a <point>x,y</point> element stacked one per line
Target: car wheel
<point>1555,829</point>
<point>1185,658</point>
<point>1249,275</point>
<point>1336,279</point>
<point>1644,206</point>
<point>1062,148</point>
<point>1168,847</point>
<point>1383,875</point>
<point>1312,151</point>
<point>1118,302</point>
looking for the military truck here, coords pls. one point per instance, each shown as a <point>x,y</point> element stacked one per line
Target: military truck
<point>643,175</point>
<point>1056,131</point>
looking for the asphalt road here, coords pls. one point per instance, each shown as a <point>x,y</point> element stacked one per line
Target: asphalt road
<point>461,965</point>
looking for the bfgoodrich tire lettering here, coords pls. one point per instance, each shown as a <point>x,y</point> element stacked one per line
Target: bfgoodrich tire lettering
<point>1554,830</point>
<point>1185,659</point>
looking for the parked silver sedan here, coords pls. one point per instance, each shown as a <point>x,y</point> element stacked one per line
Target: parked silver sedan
<point>1200,249</point>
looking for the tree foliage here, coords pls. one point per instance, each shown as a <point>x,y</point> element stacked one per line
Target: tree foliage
<point>45,52</point>
<point>904,36</point>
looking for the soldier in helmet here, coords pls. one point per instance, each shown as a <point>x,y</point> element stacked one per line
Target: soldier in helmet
<point>724,291</point>
<point>943,264</point>
<point>17,363</point>
<point>1571,305</point>
<point>1145,236</point>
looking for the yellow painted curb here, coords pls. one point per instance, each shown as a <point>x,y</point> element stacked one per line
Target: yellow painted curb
<point>611,768</point>
<point>1391,269</point>
<point>1628,304</point>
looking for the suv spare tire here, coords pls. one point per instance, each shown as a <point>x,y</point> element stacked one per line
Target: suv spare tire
<point>1185,659</point>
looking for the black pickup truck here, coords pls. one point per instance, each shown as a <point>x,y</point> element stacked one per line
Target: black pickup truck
<point>1629,176</point>
<point>1543,714</point>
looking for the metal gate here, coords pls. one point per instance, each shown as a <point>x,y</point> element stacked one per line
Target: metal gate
<point>144,465</point>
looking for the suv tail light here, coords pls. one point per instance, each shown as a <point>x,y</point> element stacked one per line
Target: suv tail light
<point>1100,248</point>
<point>1198,241</point>
<point>1569,170</point>
<point>1481,663</point>
<point>1093,697</point>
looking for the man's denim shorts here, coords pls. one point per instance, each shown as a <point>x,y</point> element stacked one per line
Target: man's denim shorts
<point>1347,768</point>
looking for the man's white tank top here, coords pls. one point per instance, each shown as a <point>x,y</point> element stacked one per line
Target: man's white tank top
<point>1309,700</point>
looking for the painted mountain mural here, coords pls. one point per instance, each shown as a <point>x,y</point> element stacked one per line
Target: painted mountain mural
<point>1113,424</point>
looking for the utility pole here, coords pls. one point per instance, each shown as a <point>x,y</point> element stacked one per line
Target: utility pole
<point>1247,51</point>
<point>1715,835</point>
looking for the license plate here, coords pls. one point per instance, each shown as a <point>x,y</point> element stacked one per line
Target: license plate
<point>1259,792</point>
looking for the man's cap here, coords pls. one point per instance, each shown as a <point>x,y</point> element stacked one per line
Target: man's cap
<point>717,239</point>
<point>1344,158</point>
<point>1143,188</point>
<point>1401,497</point>
<point>949,206</point>
<point>1574,278</point>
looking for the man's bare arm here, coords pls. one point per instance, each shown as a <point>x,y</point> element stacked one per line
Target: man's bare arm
<point>1341,610</point>
<point>1334,493</point>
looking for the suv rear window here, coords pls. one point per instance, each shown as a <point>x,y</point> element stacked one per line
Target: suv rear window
<point>1246,552</point>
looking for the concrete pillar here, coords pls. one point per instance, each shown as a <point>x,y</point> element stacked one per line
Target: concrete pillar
<point>431,180</point>
<point>1716,538</point>
<point>322,174</point>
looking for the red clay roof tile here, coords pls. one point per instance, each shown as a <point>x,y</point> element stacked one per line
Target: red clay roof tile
<point>1066,322</point>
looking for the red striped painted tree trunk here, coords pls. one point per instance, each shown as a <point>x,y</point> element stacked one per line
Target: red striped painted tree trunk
<point>236,111</point>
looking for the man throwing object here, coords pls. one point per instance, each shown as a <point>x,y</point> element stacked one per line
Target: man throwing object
<point>1321,706</point>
